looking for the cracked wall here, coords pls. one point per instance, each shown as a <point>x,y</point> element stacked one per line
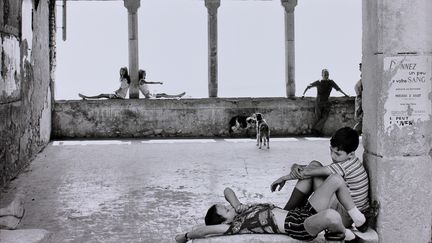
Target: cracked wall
<point>25,96</point>
<point>190,117</point>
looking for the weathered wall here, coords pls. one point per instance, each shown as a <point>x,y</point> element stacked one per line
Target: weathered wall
<point>25,97</point>
<point>189,117</point>
<point>397,132</point>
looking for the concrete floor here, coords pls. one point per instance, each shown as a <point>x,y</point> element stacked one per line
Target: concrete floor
<point>149,190</point>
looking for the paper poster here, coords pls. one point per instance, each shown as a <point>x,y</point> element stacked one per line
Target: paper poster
<point>409,88</point>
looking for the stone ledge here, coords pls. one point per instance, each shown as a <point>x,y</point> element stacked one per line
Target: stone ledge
<point>256,238</point>
<point>370,236</point>
<point>25,236</point>
<point>143,118</point>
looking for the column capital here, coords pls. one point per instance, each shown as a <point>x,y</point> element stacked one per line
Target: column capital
<point>212,5</point>
<point>289,5</point>
<point>132,5</point>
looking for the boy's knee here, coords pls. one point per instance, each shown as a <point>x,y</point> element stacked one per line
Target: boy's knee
<point>337,178</point>
<point>332,216</point>
<point>315,163</point>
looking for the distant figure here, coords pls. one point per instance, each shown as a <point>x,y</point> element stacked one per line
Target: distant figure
<point>322,104</point>
<point>118,94</point>
<point>358,104</point>
<point>146,92</point>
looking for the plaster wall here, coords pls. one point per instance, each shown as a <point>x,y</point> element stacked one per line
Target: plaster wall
<point>190,117</point>
<point>398,157</point>
<point>25,98</point>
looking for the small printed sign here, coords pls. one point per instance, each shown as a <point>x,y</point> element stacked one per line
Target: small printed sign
<point>410,85</point>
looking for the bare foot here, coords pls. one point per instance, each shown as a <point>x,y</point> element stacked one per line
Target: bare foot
<point>15,208</point>
<point>82,96</point>
<point>9,222</point>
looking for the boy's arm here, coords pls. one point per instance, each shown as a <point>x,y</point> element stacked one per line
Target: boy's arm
<point>231,197</point>
<point>293,175</point>
<point>202,231</point>
<point>308,172</point>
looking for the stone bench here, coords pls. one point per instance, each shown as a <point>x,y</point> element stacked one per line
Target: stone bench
<point>370,236</point>
<point>25,235</point>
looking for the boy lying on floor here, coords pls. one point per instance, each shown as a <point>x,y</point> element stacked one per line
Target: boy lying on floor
<point>302,223</point>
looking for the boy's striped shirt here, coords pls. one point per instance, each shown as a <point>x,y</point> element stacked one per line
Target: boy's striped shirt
<point>356,179</point>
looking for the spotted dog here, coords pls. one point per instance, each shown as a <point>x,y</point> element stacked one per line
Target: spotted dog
<point>236,124</point>
<point>262,129</point>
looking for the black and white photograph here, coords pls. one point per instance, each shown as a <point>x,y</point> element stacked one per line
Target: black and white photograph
<point>216,121</point>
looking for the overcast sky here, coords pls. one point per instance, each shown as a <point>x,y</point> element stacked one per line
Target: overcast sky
<point>173,46</point>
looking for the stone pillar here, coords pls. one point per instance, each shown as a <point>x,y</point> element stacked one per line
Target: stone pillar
<point>132,7</point>
<point>212,6</point>
<point>397,126</point>
<point>289,6</point>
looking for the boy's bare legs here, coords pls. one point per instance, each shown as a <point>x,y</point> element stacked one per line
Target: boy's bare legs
<point>327,219</point>
<point>322,198</point>
<point>302,190</point>
<point>163,95</point>
<point>108,96</point>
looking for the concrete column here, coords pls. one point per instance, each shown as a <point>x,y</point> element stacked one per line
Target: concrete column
<point>212,6</point>
<point>397,126</point>
<point>132,7</point>
<point>289,6</point>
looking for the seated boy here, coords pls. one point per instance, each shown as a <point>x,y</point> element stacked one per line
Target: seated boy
<point>302,223</point>
<point>343,145</point>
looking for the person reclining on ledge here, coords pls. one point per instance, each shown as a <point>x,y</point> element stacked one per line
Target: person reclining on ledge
<point>143,87</point>
<point>119,93</point>
<point>303,223</point>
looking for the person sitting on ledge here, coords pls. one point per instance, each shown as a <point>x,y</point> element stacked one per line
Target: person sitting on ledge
<point>303,223</point>
<point>11,215</point>
<point>119,93</point>
<point>143,87</point>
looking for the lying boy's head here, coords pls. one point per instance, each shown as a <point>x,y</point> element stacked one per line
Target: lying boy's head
<point>218,214</point>
<point>344,144</point>
<point>345,139</point>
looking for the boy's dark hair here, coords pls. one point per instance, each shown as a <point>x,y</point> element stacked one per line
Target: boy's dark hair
<point>212,217</point>
<point>345,139</point>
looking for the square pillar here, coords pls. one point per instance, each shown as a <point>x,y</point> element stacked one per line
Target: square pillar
<point>397,125</point>
<point>132,7</point>
<point>212,6</point>
<point>289,6</point>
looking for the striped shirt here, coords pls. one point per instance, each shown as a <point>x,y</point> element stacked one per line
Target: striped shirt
<point>356,180</point>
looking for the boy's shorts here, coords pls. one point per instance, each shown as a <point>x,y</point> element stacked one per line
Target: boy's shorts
<point>294,222</point>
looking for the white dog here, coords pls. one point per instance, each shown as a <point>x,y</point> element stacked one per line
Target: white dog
<point>262,129</point>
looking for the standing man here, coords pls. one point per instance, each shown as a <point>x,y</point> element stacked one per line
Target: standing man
<point>322,104</point>
<point>358,104</point>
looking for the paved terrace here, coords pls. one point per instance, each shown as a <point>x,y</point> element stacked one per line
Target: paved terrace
<point>149,190</point>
